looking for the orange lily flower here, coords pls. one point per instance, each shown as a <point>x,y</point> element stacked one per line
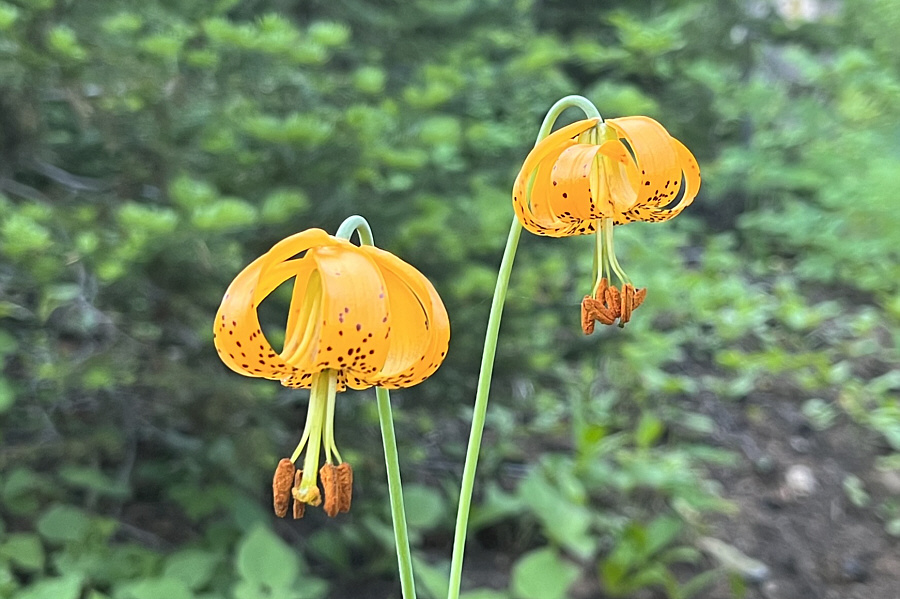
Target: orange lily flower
<point>591,175</point>
<point>358,317</point>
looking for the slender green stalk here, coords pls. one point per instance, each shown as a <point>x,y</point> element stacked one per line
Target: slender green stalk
<point>361,227</point>
<point>395,489</point>
<point>487,359</point>
<point>480,412</point>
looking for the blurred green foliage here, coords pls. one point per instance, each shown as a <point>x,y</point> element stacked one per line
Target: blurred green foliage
<point>148,152</point>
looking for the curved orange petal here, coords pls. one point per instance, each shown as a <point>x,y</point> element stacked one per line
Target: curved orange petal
<point>572,195</point>
<point>691,186</point>
<point>351,319</point>
<point>530,200</point>
<point>420,328</point>
<point>655,156</point>
<point>620,179</point>
<point>237,335</point>
<point>303,274</point>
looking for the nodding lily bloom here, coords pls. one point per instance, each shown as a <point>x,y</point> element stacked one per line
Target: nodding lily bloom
<point>358,317</point>
<point>592,175</point>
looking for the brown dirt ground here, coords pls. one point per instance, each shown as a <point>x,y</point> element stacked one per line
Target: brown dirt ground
<point>817,545</point>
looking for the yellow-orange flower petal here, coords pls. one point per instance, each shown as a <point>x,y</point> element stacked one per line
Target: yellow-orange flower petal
<point>531,197</point>
<point>643,174</point>
<point>420,339</point>
<point>359,311</point>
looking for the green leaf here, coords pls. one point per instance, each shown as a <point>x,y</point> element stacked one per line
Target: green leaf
<point>93,480</point>
<point>24,550</point>
<point>156,588</point>
<point>370,80</point>
<point>155,220</point>
<point>22,235</point>
<point>484,594</point>
<point>649,429</point>
<point>282,204</point>
<point>18,493</point>
<point>565,522</point>
<point>191,193</point>
<point>193,567</point>
<point>226,213</point>
<point>122,23</point>
<point>329,33</point>
<point>542,574</point>
<point>661,531</point>
<point>63,41</point>
<point>432,581</point>
<point>7,396</point>
<point>63,587</point>
<point>8,15</point>
<point>264,560</point>
<point>64,523</point>
<point>425,507</point>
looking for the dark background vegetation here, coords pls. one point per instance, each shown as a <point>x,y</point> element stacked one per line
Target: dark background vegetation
<point>149,150</point>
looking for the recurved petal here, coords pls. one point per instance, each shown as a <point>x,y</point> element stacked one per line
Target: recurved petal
<point>572,196</point>
<point>690,186</point>
<point>655,156</point>
<point>238,337</point>
<point>534,181</point>
<point>239,340</point>
<point>533,198</point>
<point>352,318</point>
<point>420,328</point>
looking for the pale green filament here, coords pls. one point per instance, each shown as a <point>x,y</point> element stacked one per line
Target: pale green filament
<point>611,253</point>
<point>487,360</point>
<point>295,347</point>
<point>318,400</point>
<point>601,264</point>
<point>305,437</point>
<point>330,446</point>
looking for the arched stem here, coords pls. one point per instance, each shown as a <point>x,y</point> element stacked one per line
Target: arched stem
<point>360,226</point>
<point>487,359</point>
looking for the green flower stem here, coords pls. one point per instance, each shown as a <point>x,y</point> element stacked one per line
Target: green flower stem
<point>487,359</point>
<point>480,411</point>
<point>361,226</point>
<point>395,489</point>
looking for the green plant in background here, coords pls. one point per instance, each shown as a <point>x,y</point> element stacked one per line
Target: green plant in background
<point>147,153</point>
